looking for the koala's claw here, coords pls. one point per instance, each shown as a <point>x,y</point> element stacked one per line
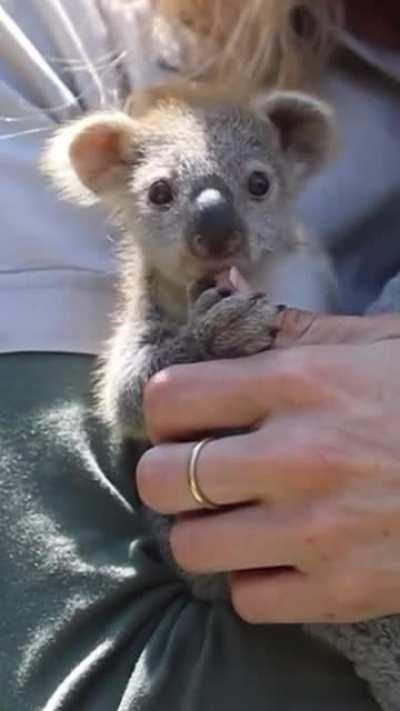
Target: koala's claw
<point>224,292</point>
<point>228,324</point>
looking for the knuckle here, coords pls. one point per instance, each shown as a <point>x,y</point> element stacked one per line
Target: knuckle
<point>149,480</point>
<point>160,386</point>
<point>159,392</point>
<point>243,605</point>
<point>183,544</point>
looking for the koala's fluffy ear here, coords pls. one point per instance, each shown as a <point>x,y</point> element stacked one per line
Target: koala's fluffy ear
<point>305,127</point>
<point>91,158</point>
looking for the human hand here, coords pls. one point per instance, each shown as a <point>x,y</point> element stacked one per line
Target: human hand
<point>312,528</point>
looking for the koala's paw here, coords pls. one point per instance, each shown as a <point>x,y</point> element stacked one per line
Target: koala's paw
<point>228,324</point>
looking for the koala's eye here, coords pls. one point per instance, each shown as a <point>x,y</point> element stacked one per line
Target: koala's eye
<point>161,193</point>
<point>259,184</point>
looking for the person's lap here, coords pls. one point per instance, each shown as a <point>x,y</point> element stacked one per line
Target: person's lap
<point>91,619</point>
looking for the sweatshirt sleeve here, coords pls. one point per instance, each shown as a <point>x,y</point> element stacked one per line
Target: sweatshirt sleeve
<point>59,58</point>
<point>56,265</point>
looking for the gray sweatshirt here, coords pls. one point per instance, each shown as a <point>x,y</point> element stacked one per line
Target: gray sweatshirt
<point>59,58</point>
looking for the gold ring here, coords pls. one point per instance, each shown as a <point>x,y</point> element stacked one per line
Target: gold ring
<point>194,486</point>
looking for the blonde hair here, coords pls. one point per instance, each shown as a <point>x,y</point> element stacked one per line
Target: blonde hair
<point>280,43</point>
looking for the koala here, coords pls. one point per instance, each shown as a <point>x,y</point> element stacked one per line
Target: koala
<point>198,182</point>
<point>201,180</point>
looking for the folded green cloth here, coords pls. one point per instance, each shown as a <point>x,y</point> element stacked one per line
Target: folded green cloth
<point>91,618</point>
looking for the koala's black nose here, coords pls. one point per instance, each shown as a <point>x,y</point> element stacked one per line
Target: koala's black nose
<point>215,228</point>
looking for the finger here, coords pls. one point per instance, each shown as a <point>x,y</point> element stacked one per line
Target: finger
<point>222,476</point>
<point>303,328</point>
<point>190,401</point>
<point>281,597</point>
<point>279,463</point>
<point>163,482</point>
<point>184,401</point>
<point>203,397</point>
<point>236,539</point>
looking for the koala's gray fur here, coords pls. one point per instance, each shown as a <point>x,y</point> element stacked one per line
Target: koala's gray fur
<point>205,145</point>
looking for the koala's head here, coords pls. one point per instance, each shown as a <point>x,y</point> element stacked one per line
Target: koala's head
<point>199,181</point>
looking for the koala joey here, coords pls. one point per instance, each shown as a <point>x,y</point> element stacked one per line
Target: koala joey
<point>200,180</point>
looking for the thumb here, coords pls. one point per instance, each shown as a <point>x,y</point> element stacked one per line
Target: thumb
<point>304,328</point>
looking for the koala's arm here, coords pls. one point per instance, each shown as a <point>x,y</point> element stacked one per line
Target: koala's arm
<point>138,350</point>
<point>220,325</point>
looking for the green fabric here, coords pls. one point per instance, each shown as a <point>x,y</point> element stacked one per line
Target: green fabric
<point>91,619</point>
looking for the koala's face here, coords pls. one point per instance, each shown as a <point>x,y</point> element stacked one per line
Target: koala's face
<point>209,191</point>
<point>200,186</point>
